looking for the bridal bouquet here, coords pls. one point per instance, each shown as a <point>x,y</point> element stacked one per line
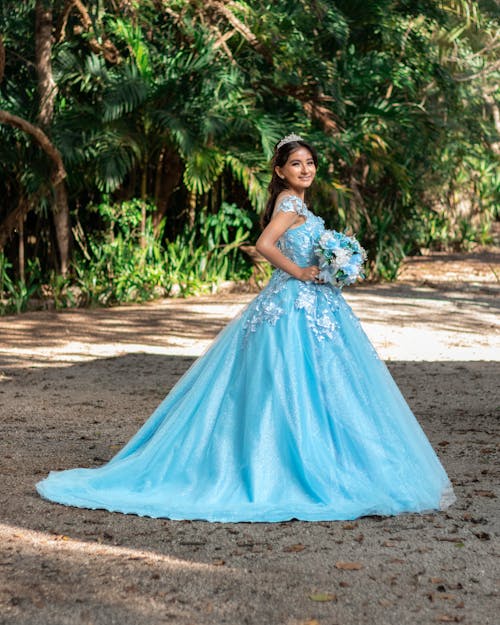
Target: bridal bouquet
<point>341,258</point>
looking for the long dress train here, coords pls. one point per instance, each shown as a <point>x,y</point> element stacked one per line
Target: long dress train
<point>289,414</point>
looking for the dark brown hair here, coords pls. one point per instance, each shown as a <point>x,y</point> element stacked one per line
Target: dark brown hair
<point>277,184</point>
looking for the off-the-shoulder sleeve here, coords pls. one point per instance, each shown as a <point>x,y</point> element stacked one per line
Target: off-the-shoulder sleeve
<point>291,203</point>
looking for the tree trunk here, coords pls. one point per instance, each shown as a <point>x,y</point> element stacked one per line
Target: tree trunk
<point>2,58</point>
<point>191,208</point>
<point>144,195</point>
<point>47,88</point>
<point>495,113</point>
<point>168,176</point>
<point>12,221</point>
<point>58,173</point>
<point>62,225</point>
<point>47,91</point>
<point>20,232</point>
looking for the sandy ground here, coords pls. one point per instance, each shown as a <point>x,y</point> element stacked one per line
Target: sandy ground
<point>75,385</point>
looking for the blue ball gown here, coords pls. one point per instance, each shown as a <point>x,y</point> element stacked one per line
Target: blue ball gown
<point>289,414</point>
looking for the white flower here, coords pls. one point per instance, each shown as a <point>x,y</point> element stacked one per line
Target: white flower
<point>342,257</point>
<point>325,237</point>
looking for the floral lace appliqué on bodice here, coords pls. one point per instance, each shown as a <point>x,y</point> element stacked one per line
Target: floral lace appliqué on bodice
<point>318,301</point>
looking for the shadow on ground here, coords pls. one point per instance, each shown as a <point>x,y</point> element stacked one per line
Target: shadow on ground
<point>66,565</point>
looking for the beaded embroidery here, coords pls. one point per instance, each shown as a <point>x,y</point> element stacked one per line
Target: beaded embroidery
<point>318,301</point>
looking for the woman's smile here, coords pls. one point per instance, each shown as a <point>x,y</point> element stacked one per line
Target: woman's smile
<point>299,170</point>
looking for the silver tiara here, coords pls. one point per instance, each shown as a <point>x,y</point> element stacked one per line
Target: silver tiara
<point>288,139</point>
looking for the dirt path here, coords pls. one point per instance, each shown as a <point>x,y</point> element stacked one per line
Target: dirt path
<point>74,386</point>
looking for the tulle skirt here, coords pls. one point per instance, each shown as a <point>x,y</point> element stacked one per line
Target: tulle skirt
<point>269,425</point>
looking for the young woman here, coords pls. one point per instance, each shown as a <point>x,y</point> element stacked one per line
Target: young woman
<point>289,414</point>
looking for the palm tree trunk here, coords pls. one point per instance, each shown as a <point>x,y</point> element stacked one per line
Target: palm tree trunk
<point>62,225</point>
<point>47,91</point>
<point>144,194</point>
<point>20,232</point>
<point>495,113</point>
<point>191,208</point>
<point>2,58</point>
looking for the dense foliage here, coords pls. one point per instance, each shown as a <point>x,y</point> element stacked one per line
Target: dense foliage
<point>164,113</point>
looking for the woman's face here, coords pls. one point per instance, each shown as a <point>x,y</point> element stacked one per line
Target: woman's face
<point>299,170</point>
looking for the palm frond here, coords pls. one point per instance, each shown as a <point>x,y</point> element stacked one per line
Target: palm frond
<point>125,92</point>
<point>203,167</point>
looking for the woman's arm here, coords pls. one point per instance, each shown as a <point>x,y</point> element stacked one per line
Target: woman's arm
<point>266,245</point>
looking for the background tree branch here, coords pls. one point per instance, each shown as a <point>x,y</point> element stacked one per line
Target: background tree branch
<point>58,171</point>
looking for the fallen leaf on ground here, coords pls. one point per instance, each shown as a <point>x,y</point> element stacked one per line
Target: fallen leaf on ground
<point>349,526</point>
<point>482,535</point>
<point>218,562</point>
<point>485,493</point>
<point>294,548</point>
<point>449,618</point>
<point>323,596</point>
<point>348,566</point>
<point>436,580</point>
<point>38,602</point>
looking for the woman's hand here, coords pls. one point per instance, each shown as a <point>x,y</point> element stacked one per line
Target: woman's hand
<point>309,274</point>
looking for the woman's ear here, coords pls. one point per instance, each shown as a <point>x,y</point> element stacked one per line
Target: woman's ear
<point>279,173</point>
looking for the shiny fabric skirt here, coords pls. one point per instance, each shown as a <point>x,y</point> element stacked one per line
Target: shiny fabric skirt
<point>272,424</point>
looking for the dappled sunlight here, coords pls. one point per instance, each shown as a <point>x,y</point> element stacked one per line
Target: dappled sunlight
<point>165,327</point>
<point>479,267</point>
<point>122,584</point>
<point>404,322</point>
<point>29,540</point>
<point>418,323</point>
<point>77,351</point>
<point>75,386</point>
